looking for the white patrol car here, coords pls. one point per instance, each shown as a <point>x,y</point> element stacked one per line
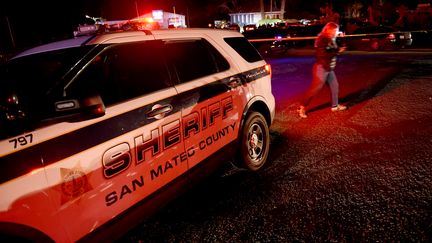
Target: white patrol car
<point>98,131</point>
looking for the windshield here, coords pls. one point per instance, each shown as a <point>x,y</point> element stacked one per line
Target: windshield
<point>26,82</point>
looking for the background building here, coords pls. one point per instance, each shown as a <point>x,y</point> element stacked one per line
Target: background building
<point>165,19</point>
<point>243,19</point>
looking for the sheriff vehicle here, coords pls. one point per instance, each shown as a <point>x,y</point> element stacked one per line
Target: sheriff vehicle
<point>98,131</point>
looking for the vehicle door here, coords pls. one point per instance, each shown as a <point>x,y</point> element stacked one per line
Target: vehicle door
<point>23,185</point>
<point>101,168</point>
<point>210,91</point>
<point>25,198</point>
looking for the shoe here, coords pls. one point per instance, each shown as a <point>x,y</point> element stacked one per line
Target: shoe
<point>339,108</point>
<point>302,112</point>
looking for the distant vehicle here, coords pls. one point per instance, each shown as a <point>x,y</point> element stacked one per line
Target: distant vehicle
<point>268,41</point>
<point>305,34</point>
<point>249,27</point>
<point>421,38</point>
<point>373,38</point>
<point>273,40</point>
<point>234,27</point>
<point>311,30</point>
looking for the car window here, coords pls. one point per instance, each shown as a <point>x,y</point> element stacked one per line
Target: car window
<point>244,48</point>
<point>123,72</point>
<point>194,59</point>
<point>32,77</point>
<point>373,30</point>
<point>28,82</point>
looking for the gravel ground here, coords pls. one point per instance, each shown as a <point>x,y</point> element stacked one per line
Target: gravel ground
<point>363,175</point>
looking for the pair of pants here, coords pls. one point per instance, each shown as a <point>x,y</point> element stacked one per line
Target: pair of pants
<point>320,76</point>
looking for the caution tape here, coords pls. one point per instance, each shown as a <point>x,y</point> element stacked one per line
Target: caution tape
<point>279,38</point>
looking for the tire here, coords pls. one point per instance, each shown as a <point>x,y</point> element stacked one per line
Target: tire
<point>254,142</point>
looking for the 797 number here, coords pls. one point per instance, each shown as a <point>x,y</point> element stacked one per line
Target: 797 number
<point>22,141</point>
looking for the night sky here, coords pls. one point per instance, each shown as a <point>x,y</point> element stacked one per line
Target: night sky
<point>39,22</point>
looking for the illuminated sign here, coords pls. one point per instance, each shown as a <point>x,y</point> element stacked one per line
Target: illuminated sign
<point>157,14</point>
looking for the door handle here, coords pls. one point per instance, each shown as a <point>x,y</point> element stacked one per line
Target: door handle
<point>234,82</point>
<point>159,111</point>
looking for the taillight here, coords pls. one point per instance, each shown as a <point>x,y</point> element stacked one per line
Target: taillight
<point>268,69</point>
<point>391,36</point>
<point>99,110</point>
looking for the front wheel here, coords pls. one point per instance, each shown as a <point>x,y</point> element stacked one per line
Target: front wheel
<point>254,142</point>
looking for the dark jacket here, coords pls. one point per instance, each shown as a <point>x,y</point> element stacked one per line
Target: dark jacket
<point>326,52</point>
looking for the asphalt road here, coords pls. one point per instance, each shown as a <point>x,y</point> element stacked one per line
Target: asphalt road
<point>362,175</point>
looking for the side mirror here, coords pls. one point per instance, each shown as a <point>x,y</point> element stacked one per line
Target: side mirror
<point>75,110</point>
<point>12,109</point>
<point>16,118</point>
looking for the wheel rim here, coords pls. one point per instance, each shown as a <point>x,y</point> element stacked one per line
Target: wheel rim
<point>255,142</point>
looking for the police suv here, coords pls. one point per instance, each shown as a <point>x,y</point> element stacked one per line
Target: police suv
<point>98,131</point>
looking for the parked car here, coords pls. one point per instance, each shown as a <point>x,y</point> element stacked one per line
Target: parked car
<point>99,131</point>
<point>268,40</point>
<point>249,27</point>
<point>234,27</point>
<point>422,38</point>
<point>374,38</point>
<point>272,41</point>
<point>305,34</point>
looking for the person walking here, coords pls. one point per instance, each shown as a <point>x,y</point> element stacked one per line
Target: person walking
<point>323,68</point>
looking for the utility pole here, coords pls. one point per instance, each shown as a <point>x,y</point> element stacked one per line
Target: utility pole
<point>175,17</point>
<point>187,17</point>
<point>136,8</point>
<point>282,9</point>
<point>10,31</point>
